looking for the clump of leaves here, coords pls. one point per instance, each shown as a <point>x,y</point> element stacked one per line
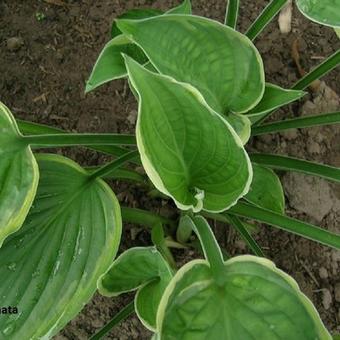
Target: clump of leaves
<point>202,95</point>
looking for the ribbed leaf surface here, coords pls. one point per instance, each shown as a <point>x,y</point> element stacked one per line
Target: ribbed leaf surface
<point>221,63</point>
<point>325,12</point>
<point>49,268</point>
<point>266,190</point>
<point>188,151</point>
<point>256,301</point>
<point>19,176</point>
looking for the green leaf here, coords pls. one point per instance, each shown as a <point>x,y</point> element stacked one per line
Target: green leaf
<point>29,128</point>
<point>143,13</point>
<point>337,31</point>
<point>110,63</point>
<point>123,314</point>
<point>266,16</point>
<point>286,223</point>
<point>266,190</point>
<point>142,269</point>
<point>49,268</point>
<point>173,127</point>
<point>184,229</point>
<point>255,301</point>
<point>274,97</point>
<point>324,12</point>
<point>241,124</point>
<point>298,165</point>
<point>227,69</point>
<point>183,8</point>
<point>319,71</point>
<point>297,123</point>
<point>232,13</point>
<point>19,176</point>
<point>134,14</point>
<point>240,227</point>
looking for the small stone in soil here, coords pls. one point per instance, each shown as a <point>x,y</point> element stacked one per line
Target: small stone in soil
<point>337,292</point>
<point>13,44</point>
<point>326,298</point>
<point>323,273</point>
<point>290,134</point>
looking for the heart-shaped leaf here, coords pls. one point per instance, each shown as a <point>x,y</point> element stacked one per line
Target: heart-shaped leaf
<point>266,190</point>
<point>188,151</point>
<point>221,63</point>
<point>274,97</point>
<point>50,267</point>
<point>325,12</point>
<point>246,297</point>
<point>110,64</point>
<point>19,175</point>
<point>142,269</point>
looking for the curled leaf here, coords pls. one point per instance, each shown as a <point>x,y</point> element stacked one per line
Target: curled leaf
<point>189,151</point>
<point>141,269</point>
<point>19,175</point>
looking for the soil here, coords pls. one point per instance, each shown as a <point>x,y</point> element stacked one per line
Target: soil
<point>47,50</point>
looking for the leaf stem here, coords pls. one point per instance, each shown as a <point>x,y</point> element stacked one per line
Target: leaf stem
<point>119,317</point>
<point>72,139</point>
<point>242,230</point>
<point>319,71</point>
<point>125,174</point>
<point>110,168</point>
<point>286,223</point>
<point>30,128</point>
<point>210,246</point>
<point>297,123</point>
<point>232,13</point>
<point>143,217</point>
<point>298,165</point>
<point>264,18</point>
<point>237,224</point>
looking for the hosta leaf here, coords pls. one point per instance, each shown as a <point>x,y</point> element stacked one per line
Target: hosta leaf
<point>274,97</point>
<point>188,151</point>
<point>221,63</point>
<point>49,268</point>
<point>142,13</point>
<point>184,229</point>
<point>143,269</point>
<point>266,190</point>
<point>136,13</point>
<point>337,31</point>
<point>325,12</point>
<point>19,175</point>
<point>255,301</point>
<point>183,8</point>
<point>241,124</point>
<point>110,63</point>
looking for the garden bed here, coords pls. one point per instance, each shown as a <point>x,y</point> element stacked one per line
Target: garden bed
<point>47,52</point>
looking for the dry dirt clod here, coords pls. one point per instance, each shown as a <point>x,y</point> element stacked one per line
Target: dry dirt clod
<point>323,273</point>
<point>337,292</point>
<point>14,43</point>
<point>326,298</point>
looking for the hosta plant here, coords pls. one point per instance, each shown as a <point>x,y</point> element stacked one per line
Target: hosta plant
<point>202,95</point>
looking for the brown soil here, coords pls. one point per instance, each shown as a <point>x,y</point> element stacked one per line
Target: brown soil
<point>43,72</point>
